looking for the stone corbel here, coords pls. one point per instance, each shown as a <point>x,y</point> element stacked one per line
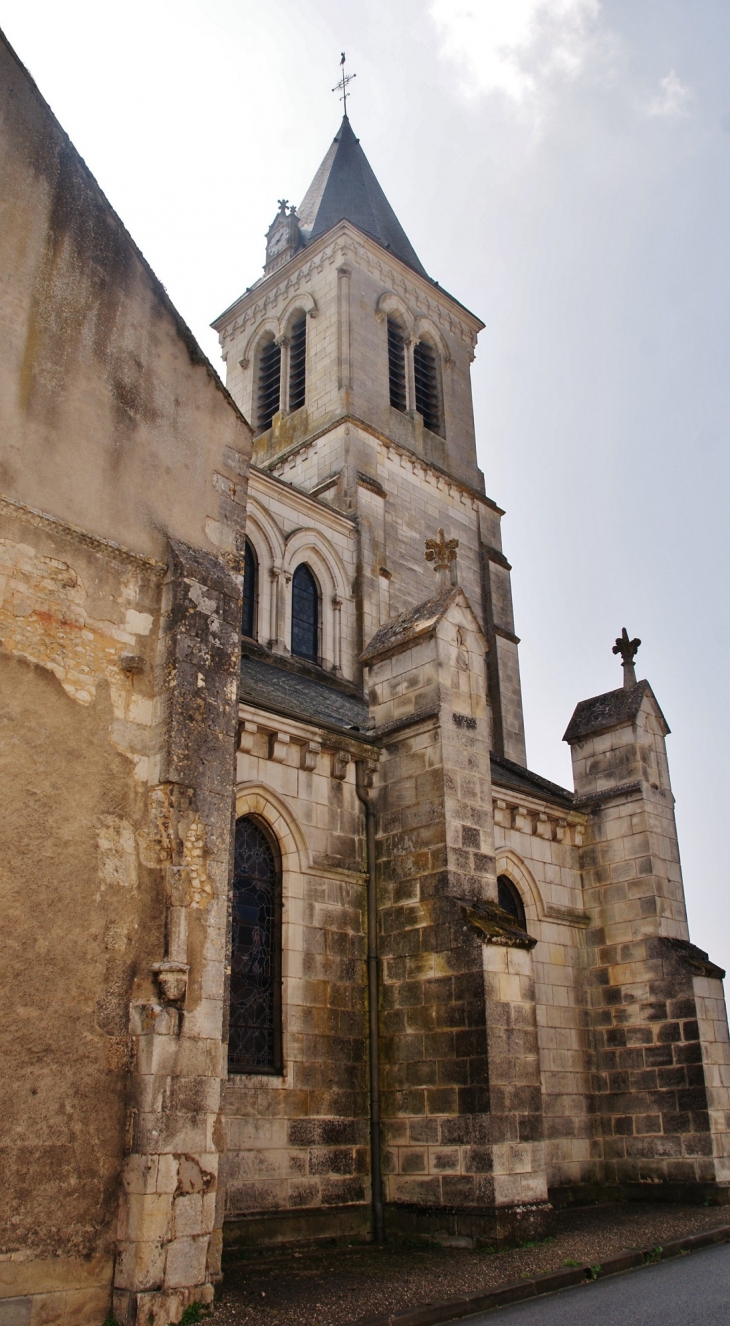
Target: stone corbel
<point>310,753</point>
<point>521,820</point>
<point>279,743</point>
<point>544,828</point>
<point>172,978</point>
<point>495,926</point>
<point>502,814</point>
<point>246,733</point>
<point>340,761</point>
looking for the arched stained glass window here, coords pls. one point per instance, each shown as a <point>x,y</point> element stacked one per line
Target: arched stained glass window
<point>298,362</point>
<point>510,900</point>
<point>254,1037</point>
<point>304,614</point>
<point>250,593</point>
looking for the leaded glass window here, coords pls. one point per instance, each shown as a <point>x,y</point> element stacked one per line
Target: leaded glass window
<point>254,1038</point>
<point>510,900</point>
<point>304,614</point>
<point>250,592</point>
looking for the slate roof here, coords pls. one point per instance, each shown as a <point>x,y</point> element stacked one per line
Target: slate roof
<point>289,693</point>
<point>345,189</point>
<point>505,773</point>
<point>605,711</point>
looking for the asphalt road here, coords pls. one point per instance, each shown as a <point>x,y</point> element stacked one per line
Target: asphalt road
<point>686,1291</point>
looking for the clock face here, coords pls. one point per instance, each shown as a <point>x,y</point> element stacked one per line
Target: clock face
<point>279,241</point>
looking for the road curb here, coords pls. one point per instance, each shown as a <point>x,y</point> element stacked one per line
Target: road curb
<point>450,1309</point>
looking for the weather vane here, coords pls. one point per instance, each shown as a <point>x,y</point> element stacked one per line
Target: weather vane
<point>342,85</point>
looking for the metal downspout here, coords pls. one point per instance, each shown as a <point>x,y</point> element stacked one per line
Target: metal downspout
<point>362,776</point>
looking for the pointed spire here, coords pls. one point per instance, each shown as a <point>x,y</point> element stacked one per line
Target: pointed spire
<point>345,189</point>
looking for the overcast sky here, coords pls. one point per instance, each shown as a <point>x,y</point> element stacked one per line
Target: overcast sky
<point>562,169</point>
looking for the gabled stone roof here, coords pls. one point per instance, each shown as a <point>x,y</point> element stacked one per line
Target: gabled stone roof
<point>416,622</point>
<point>345,189</point>
<point>609,710</point>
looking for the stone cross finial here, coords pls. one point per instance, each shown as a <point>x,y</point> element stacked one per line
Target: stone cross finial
<point>442,552</point>
<point>627,649</point>
<point>283,204</point>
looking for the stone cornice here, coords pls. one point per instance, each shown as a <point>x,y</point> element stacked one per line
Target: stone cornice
<point>345,241</point>
<point>355,422</point>
<point>10,506</point>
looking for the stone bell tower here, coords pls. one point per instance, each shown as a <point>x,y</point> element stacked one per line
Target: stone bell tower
<point>384,432</point>
<point>383,427</point>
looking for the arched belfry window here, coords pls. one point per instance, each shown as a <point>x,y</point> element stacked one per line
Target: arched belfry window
<point>269,384</point>
<point>510,900</point>
<point>396,364</point>
<point>298,362</point>
<point>250,593</point>
<point>425,376</point>
<point>254,1037</point>
<point>304,614</point>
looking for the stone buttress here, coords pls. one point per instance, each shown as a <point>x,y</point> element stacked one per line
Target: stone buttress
<point>662,1060</point>
<point>461,1073</point>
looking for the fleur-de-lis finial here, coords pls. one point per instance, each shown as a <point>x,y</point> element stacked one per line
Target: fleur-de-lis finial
<point>441,551</point>
<point>627,649</point>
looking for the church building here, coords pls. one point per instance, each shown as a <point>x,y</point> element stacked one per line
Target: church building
<point>349,968</point>
<point>546,1031</point>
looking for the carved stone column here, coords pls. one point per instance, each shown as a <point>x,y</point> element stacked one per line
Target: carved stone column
<point>344,377</point>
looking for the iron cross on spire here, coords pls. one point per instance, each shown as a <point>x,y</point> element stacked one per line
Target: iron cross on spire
<point>627,649</point>
<point>344,80</point>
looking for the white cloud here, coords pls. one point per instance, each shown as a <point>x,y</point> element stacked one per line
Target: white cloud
<point>671,97</point>
<point>515,46</point>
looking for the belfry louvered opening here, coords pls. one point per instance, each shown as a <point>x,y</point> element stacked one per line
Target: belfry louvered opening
<point>426,383</point>
<point>298,362</point>
<point>269,385</point>
<point>396,364</point>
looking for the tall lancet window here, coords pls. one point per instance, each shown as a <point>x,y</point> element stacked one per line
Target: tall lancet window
<point>269,384</point>
<point>304,614</point>
<point>427,387</point>
<point>254,1036</point>
<point>298,362</point>
<point>396,364</point>
<point>250,593</point>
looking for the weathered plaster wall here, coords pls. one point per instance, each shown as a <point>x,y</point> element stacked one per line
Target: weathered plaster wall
<point>118,677</point>
<point>111,417</point>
